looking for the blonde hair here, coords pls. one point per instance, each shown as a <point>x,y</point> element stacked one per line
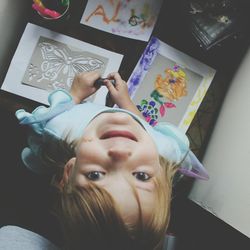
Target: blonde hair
<point>91,219</point>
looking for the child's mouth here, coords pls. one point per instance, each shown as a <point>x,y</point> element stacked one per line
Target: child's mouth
<point>118,133</point>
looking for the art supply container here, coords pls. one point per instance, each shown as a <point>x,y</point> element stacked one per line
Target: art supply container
<point>51,9</point>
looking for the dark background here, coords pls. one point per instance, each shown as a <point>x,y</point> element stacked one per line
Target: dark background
<point>24,197</point>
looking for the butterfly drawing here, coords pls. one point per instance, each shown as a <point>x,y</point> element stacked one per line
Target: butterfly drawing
<point>58,65</point>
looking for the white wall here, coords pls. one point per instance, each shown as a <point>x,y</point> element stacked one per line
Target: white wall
<point>12,22</point>
<point>227,158</point>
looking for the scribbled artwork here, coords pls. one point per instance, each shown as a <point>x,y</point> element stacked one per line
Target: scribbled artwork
<point>168,85</point>
<point>46,60</point>
<point>130,18</point>
<point>166,91</point>
<point>54,64</point>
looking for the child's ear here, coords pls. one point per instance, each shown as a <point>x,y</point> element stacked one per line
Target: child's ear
<point>66,172</point>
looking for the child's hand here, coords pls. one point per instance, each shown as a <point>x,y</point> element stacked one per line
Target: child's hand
<point>119,91</point>
<point>83,85</point>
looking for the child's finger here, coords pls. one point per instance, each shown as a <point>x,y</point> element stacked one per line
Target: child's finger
<point>116,76</point>
<point>95,74</point>
<point>91,76</point>
<point>111,75</point>
<point>110,86</point>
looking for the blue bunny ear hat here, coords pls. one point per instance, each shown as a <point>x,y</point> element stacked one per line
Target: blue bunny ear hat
<point>49,125</point>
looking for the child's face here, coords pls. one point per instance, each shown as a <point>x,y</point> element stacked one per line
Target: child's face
<point>114,152</point>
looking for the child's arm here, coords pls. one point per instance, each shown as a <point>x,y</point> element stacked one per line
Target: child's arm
<point>83,85</point>
<point>119,94</point>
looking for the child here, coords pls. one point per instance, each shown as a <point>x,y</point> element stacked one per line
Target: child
<point>113,170</point>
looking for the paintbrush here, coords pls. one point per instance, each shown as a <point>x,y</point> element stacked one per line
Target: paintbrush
<point>100,82</point>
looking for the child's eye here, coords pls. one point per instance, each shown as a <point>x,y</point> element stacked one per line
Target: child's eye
<point>141,176</point>
<point>95,175</point>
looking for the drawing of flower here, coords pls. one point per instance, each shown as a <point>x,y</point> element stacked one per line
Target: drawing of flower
<point>174,85</point>
<point>163,105</point>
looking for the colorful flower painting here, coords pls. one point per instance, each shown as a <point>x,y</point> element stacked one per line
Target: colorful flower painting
<point>169,86</point>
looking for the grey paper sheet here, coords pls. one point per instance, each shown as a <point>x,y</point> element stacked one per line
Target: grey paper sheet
<point>54,64</point>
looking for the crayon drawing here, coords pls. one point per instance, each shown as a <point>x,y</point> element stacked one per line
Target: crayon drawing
<point>46,60</point>
<point>54,64</point>
<point>168,85</point>
<point>129,18</point>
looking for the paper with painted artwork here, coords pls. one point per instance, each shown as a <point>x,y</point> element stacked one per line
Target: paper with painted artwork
<point>168,85</point>
<point>129,18</point>
<point>46,60</point>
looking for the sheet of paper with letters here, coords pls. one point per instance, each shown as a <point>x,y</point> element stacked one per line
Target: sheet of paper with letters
<point>129,18</point>
<point>46,60</point>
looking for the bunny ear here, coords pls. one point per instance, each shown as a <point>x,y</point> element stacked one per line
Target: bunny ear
<point>174,146</point>
<point>59,101</point>
<point>192,167</point>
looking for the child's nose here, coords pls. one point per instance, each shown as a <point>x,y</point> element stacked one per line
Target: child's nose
<point>119,153</point>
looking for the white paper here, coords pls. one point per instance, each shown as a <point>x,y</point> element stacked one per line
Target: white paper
<point>176,73</point>
<point>131,18</point>
<point>227,158</point>
<point>20,61</point>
